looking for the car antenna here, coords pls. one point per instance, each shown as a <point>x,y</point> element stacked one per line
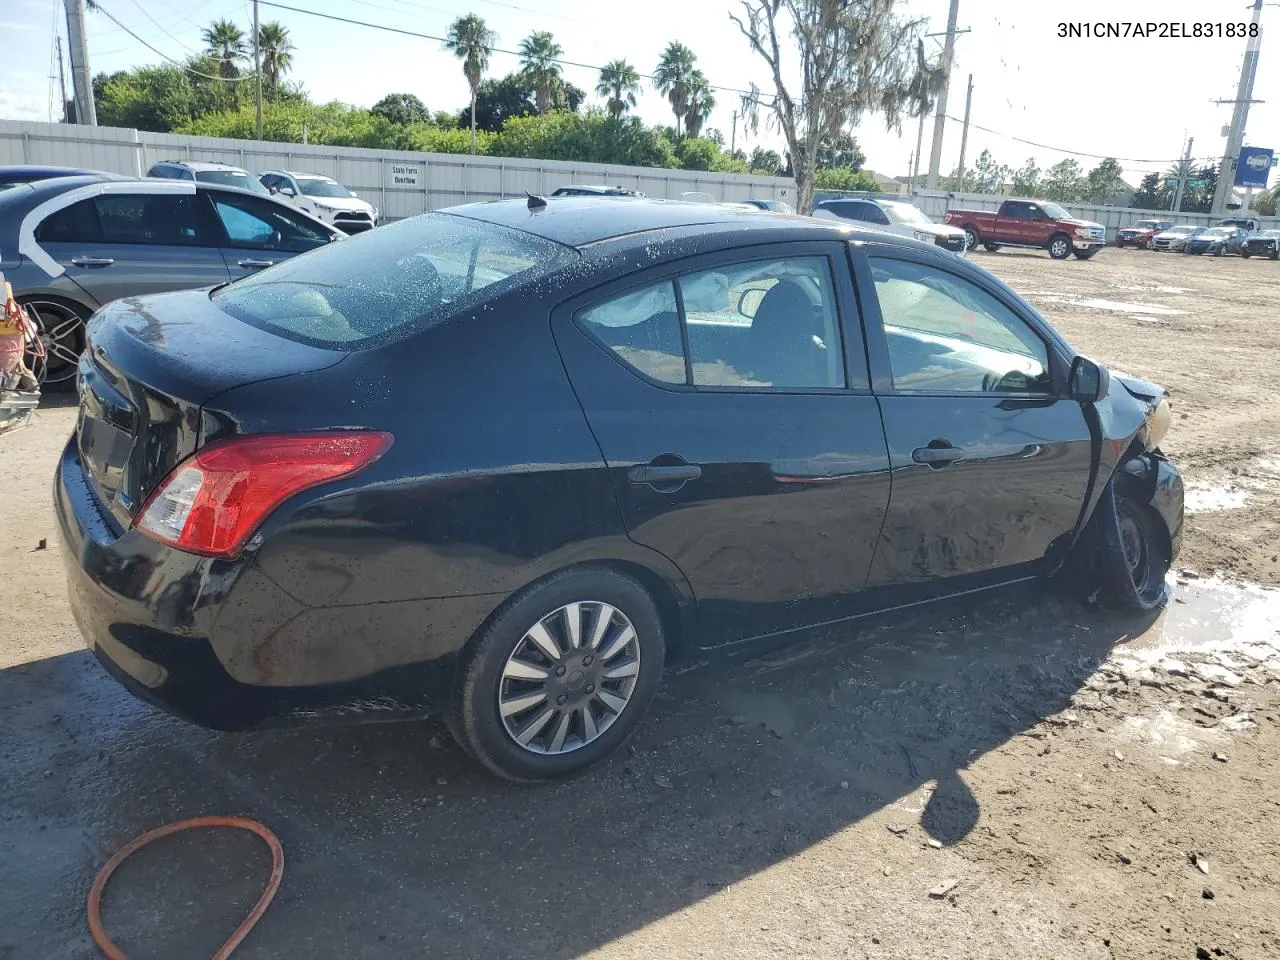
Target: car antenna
<point>536,202</point>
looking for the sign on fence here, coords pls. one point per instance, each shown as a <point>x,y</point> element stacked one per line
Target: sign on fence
<point>403,175</point>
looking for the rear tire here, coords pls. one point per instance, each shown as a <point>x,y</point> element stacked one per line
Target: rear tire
<point>61,324</point>
<point>991,247</point>
<point>1275,254</point>
<point>1060,246</point>
<point>584,714</point>
<point>1246,254</point>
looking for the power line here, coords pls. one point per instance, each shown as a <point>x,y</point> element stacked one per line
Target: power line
<point>428,36</point>
<point>207,76</point>
<point>160,28</point>
<point>1075,153</point>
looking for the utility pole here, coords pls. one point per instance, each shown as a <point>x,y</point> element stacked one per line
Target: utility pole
<point>257,67</point>
<point>733,137</point>
<point>915,163</point>
<point>940,114</point>
<point>81,80</point>
<point>1183,169</point>
<point>62,83</point>
<point>1239,116</point>
<point>964,134</point>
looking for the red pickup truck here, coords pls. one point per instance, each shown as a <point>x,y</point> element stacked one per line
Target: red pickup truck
<point>1030,223</point>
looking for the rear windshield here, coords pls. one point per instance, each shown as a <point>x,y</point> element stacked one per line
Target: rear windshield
<point>353,293</point>
<point>231,178</point>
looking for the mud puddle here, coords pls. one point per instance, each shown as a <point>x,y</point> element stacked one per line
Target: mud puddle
<point>1134,307</point>
<point>1202,497</point>
<point>1211,615</point>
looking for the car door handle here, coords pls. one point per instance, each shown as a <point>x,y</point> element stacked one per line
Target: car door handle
<point>936,456</point>
<point>255,264</point>
<point>92,261</point>
<point>664,477</point>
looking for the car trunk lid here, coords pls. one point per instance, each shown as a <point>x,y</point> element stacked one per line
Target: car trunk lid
<point>150,365</point>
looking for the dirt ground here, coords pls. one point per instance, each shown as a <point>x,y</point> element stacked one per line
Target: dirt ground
<point>1017,776</point>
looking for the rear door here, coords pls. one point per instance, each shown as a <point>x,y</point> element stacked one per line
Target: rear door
<point>990,462</point>
<point>737,422</point>
<point>123,244</point>
<point>1014,224</point>
<point>257,232</point>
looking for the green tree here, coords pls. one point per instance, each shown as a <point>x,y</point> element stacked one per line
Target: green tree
<point>854,56</point>
<point>1063,182</point>
<point>842,150</point>
<point>275,51</point>
<point>225,41</point>
<point>695,153</point>
<point>1026,179</point>
<point>673,78</point>
<point>1103,181</point>
<point>1147,196</point>
<point>1202,183</point>
<point>497,101</point>
<point>619,83</point>
<point>701,102</point>
<point>471,41</point>
<point>989,175</point>
<point>845,180</point>
<point>401,108</point>
<point>538,55</point>
<point>765,161</point>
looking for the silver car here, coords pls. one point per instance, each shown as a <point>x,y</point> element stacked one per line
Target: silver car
<point>1175,238</point>
<point>73,244</point>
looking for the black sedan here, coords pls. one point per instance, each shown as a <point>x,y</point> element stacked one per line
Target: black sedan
<point>1264,243</point>
<point>1217,241</point>
<point>507,460</point>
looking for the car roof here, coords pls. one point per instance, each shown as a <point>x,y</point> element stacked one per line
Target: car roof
<point>199,165</point>
<point>579,221</point>
<point>300,175</point>
<point>42,172</point>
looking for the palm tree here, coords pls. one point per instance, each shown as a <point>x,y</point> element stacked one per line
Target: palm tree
<point>471,41</point>
<point>619,84</point>
<point>226,43</point>
<point>673,77</point>
<point>276,52</point>
<point>538,54</point>
<point>701,102</point>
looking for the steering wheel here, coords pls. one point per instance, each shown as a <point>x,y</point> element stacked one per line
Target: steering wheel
<point>1013,380</point>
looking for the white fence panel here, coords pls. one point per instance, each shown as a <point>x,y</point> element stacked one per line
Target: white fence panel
<point>441,179</point>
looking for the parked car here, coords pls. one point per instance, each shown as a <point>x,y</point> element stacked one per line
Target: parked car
<point>72,244</point>
<point>1248,224</point>
<point>322,197</point>
<point>1140,234</point>
<point>502,461</point>
<point>1031,223</point>
<point>1217,241</point>
<point>1265,243</point>
<point>773,206</point>
<point>28,173</point>
<point>1175,238</point>
<point>893,217</point>
<point>594,190</point>
<point>204,171</point>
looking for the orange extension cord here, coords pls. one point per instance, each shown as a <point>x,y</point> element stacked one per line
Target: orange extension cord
<point>137,843</point>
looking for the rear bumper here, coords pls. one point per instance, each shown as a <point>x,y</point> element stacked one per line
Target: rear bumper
<point>218,643</point>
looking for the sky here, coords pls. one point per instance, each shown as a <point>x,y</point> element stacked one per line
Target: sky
<point>1136,99</point>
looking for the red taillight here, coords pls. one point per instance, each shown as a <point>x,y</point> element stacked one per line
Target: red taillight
<point>212,503</point>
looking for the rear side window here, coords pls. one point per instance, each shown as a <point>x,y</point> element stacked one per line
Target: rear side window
<point>760,324</point>
<point>77,223</point>
<point>149,218</point>
<point>355,292</point>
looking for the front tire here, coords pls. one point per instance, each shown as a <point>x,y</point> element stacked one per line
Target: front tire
<point>1085,254</point>
<point>971,238</point>
<point>561,677</point>
<point>1060,246</point>
<point>1133,556</point>
<point>1246,254</point>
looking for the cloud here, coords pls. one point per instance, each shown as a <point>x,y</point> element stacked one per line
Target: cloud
<point>14,107</point>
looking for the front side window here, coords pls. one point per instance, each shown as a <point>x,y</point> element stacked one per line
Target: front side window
<point>947,334</point>
<point>255,224</point>
<point>764,324</point>
<point>396,278</point>
<point>152,218</point>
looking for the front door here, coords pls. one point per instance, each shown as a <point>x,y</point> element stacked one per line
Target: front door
<point>990,463</point>
<point>260,232</point>
<point>742,439</point>
<point>129,244</point>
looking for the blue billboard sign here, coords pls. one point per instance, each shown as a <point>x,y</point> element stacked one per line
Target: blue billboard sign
<point>1254,167</point>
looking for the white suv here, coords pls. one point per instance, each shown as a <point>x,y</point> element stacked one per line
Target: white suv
<point>323,198</point>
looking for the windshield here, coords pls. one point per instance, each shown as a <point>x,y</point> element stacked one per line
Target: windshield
<point>905,213</point>
<point>231,178</point>
<point>1218,232</point>
<point>315,187</point>
<point>349,294</point>
<point>1268,234</point>
<point>1055,212</point>
<point>1148,223</point>
<point>1181,230</point>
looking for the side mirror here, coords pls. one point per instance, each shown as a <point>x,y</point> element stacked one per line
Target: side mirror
<point>1088,381</point>
<point>749,302</point>
<point>353,193</point>
<point>288,191</point>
